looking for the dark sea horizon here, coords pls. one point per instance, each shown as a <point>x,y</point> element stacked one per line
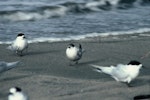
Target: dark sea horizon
<point>62,20</point>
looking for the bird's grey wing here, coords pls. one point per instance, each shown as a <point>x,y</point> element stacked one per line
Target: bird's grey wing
<point>2,66</point>
<point>3,63</point>
<point>3,69</point>
<point>12,47</point>
<point>12,64</point>
<point>7,66</point>
<point>79,53</point>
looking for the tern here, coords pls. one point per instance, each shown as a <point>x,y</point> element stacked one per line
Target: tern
<point>19,44</point>
<point>74,53</point>
<point>15,93</point>
<point>122,72</point>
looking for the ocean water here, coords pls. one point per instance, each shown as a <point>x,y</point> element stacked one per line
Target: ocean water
<point>62,20</point>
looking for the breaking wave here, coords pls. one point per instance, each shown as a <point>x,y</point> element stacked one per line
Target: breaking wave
<point>140,32</point>
<point>29,11</point>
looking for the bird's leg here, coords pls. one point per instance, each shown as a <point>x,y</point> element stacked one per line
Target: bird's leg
<point>76,62</point>
<point>21,53</point>
<point>128,84</point>
<point>70,63</point>
<point>27,50</point>
<point>17,52</point>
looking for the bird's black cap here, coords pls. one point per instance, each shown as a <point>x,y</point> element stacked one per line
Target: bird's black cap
<point>134,62</point>
<point>20,34</point>
<point>18,89</point>
<point>72,45</point>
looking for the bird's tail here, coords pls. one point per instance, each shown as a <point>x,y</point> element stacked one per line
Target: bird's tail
<point>81,49</point>
<point>11,65</point>
<point>80,46</point>
<point>106,70</point>
<point>10,48</point>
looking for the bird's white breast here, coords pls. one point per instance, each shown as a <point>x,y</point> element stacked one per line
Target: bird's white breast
<point>125,73</point>
<point>20,44</point>
<point>72,53</point>
<point>17,96</point>
<point>133,71</point>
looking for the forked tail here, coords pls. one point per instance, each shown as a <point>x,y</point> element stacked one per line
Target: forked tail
<point>12,65</point>
<point>106,70</point>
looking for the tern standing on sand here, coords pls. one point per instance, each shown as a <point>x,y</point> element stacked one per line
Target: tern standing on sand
<point>122,73</point>
<point>19,45</point>
<point>74,53</point>
<point>15,93</point>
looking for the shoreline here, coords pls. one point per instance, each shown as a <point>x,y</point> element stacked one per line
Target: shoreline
<point>88,37</point>
<point>45,72</point>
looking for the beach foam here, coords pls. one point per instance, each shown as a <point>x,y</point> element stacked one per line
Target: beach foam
<point>26,11</point>
<point>140,32</point>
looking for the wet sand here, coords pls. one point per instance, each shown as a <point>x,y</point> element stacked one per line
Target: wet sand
<point>45,74</point>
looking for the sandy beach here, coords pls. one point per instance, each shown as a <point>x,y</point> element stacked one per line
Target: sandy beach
<point>45,74</point>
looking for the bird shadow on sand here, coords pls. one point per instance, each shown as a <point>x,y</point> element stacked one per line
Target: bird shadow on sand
<point>140,82</point>
<point>81,64</point>
<point>40,52</point>
<point>14,78</point>
<point>31,53</point>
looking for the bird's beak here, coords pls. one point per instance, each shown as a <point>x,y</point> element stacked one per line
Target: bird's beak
<point>144,67</point>
<point>9,93</point>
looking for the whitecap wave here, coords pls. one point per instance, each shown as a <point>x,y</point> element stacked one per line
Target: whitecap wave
<point>31,15</point>
<point>90,35</point>
<point>26,11</point>
<point>141,32</point>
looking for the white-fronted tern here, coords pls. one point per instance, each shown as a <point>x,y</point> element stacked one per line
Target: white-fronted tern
<point>122,73</point>
<point>15,93</point>
<point>74,53</point>
<point>19,44</point>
